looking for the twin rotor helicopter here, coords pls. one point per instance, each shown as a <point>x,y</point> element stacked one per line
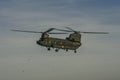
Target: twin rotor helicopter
<point>72,42</point>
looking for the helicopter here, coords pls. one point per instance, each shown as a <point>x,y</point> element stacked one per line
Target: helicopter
<point>72,42</point>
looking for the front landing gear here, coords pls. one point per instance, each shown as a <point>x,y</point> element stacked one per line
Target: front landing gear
<point>56,50</point>
<point>66,50</point>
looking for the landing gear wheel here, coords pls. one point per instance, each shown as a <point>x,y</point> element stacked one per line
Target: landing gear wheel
<point>56,50</point>
<point>66,50</point>
<point>48,49</point>
<point>75,51</point>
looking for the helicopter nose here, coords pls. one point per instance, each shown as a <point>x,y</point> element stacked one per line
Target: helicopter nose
<point>38,42</point>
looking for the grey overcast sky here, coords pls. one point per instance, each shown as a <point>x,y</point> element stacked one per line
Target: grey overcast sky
<point>97,59</point>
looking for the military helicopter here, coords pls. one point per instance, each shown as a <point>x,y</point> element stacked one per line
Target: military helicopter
<point>73,42</point>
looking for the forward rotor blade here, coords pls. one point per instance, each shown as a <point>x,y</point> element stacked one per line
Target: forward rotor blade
<point>49,30</point>
<point>70,30</point>
<point>26,31</point>
<point>63,30</point>
<point>56,33</point>
<point>37,32</point>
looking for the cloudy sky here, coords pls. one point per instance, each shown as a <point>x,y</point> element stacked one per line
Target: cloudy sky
<point>97,59</point>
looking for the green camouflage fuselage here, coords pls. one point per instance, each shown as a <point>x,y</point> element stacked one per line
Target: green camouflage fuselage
<point>72,42</point>
<point>59,43</point>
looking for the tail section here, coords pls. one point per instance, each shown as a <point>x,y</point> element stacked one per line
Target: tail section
<point>76,37</point>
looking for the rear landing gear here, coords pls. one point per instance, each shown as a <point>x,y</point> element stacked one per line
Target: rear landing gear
<point>49,49</point>
<point>75,51</point>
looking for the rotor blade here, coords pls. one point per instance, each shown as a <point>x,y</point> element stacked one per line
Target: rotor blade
<point>49,30</point>
<point>36,32</point>
<point>56,33</point>
<point>95,32</point>
<point>87,32</point>
<point>26,31</point>
<point>63,30</point>
<point>70,29</point>
<point>83,32</point>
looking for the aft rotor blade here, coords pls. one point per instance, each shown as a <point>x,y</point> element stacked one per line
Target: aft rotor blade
<point>87,32</point>
<point>83,32</point>
<point>26,31</point>
<point>70,29</point>
<point>95,32</point>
